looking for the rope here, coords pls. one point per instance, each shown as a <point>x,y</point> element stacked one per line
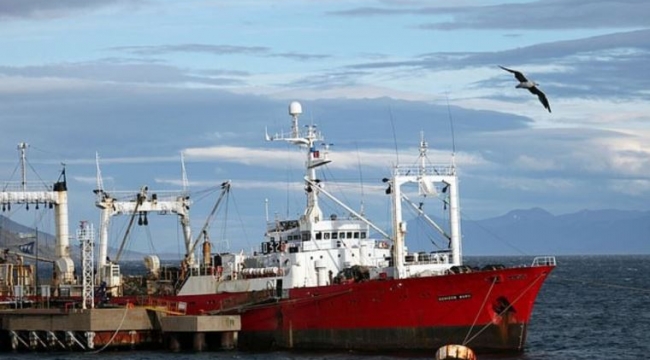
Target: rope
<point>506,309</point>
<point>126,311</point>
<point>478,313</point>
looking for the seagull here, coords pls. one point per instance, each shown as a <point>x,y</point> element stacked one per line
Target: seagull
<point>530,85</point>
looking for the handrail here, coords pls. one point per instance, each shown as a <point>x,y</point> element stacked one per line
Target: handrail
<point>544,261</point>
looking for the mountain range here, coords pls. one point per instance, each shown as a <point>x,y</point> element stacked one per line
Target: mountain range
<point>536,231</point>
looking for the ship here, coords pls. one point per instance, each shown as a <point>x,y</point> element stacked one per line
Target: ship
<point>318,281</point>
<point>338,281</point>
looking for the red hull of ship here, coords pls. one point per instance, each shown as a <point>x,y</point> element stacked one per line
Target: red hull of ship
<point>486,310</point>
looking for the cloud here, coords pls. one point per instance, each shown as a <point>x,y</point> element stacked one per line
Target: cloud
<point>194,48</point>
<point>108,72</point>
<point>545,15</point>
<point>535,15</point>
<point>593,67</point>
<point>217,50</point>
<point>39,9</point>
<point>349,160</point>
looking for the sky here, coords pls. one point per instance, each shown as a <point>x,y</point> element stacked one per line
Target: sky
<point>138,83</point>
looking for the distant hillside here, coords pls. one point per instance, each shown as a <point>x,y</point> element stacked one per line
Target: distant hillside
<point>13,234</point>
<point>536,231</point>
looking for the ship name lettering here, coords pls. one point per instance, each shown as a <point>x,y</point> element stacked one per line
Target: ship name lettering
<point>454,297</point>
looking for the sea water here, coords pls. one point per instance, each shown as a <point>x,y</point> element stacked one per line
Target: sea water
<point>591,307</point>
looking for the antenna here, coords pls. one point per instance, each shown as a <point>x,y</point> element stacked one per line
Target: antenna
<point>100,181</point>
<point>23,148</point>
<point>184,173</point>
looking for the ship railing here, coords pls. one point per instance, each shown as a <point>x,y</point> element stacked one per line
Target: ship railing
<point>442,170</point>
<point>544,261</point>
<point>164,195</point>
<point>169,306</point>
<point>17,186</point>
<point>435,257</point>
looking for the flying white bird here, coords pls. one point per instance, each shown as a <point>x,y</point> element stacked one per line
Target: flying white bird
<point>530,85</point>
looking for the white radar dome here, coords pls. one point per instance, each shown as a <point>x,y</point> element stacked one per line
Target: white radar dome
<point>295,108</point>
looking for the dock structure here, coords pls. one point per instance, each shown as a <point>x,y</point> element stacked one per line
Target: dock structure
<point>201,330</point>
<point>128,327</point>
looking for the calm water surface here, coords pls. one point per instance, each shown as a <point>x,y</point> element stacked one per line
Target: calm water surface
<point>591,307</point>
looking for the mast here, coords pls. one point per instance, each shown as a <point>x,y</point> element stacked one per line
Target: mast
<point>314,159</point>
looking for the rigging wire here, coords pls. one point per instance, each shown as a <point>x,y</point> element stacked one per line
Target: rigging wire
<point>422,229</point>
<point>488,231</point>
<point>451,125</point>
<point>392,124</point>
<point>35,173</point>
<point>362,210</point>
<point>11,177</point>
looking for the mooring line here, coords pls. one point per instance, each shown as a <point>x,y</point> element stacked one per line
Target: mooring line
<point>478,313</point>
<point>506,308</point>
<point>126,311</point>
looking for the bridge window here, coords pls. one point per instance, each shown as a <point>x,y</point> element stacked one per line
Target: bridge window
<point>326,236</point>
<point>318,235</point>
<point>335,235</point>
<point>341,235</point>
<point>348,235</point>
<point>356,234</point>
<point>363,234</point>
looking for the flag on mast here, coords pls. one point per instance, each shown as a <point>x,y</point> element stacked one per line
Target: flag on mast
<point>27,248</point>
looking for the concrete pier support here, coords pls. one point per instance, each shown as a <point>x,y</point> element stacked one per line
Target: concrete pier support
<point>199,341</point>
<point>173,343</point>
<point>183,330</point>
<point>229,340</point>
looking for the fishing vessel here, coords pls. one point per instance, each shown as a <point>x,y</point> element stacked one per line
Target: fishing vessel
<point>333,281</point>
<point>338,281</point>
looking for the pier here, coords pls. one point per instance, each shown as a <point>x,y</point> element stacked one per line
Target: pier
<point>128,328</point>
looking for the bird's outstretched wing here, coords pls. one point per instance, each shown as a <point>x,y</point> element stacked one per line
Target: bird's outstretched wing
<point>542,97</point>
<point>518,75</point>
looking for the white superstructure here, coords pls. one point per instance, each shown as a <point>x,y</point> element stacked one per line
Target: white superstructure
<point>318,250</point>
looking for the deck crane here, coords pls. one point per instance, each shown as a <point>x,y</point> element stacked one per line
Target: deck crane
<point>54,196</point>
<point>142,203</point>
